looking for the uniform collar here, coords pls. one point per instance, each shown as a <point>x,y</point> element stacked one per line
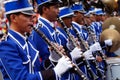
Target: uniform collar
<point>50,23</point>
<point>19,38</point>
<point>73,22</point>
<point>48,26</point>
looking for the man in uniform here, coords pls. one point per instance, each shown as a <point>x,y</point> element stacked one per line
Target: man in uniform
<point>49,12</point>
<point>19,60</point>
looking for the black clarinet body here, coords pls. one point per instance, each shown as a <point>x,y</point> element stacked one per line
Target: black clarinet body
<point>83,43</point>
<point>99,53</point>
<point>101,75</point>
<point>85,47</point>
<point>53,46</point>
<point>91,73</point>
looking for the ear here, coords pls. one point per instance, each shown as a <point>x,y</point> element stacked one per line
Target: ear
<point>13,17</point>
<point>44,9</point>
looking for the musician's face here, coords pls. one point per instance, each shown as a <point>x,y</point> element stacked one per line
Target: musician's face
<point>79,16</point>
<point>98,17</point>
<point>92,18</point>
<point>23,23</point>
<point>52,12</point>
<point>67,21</point>
<point>88,21</point>
<point>104,18</point>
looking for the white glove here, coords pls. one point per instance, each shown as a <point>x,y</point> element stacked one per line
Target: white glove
<point>88,55</point>
<point>62,66</point>
<point>70,45</point>
<point>95,47</point>
<point>108,42</point>
<point>76,53</point>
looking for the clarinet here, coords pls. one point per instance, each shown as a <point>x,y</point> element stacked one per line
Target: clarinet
<point>93,75</point>
<point>83,43</point>
<point>86,47</point>
<point>100,53</point>
<point>53,46</point>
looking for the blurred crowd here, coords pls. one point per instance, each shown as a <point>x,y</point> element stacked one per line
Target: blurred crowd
<point>3,21</point>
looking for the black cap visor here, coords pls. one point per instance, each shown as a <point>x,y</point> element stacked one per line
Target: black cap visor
<point>29,12</point>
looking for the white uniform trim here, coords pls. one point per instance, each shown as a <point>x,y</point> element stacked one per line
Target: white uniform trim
<point>62,34</point>
<point>9,1</point>
<point>51,33</point>
<point>40,76</point>
<point>5,69</point>
<point>23,47</point>
<point>67,15</point>
<point>44,2</point>
<point>19,10</point>
<point>30,63</point>
<point>37,54</point>
<point>26,61</point>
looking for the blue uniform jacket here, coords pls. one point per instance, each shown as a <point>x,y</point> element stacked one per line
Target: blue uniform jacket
<point>64,39</point>
<point>47,28</point>
<point>19,59</point>
<point>83,33</point>
<point>97,28</point>
<point>41,45</point>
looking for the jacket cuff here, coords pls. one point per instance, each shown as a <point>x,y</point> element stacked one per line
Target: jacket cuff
<point>48,74</point>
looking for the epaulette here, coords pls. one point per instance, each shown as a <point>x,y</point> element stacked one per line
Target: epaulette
<point>39,24</point>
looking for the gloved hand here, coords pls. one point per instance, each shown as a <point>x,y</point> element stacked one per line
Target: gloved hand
<point>62,66</point>
<point>108,42</point>
<point>95,47</point>
<point>70,45</point>
<point>76,53</point>
<point>53,55</point>
<point>88,55</point>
